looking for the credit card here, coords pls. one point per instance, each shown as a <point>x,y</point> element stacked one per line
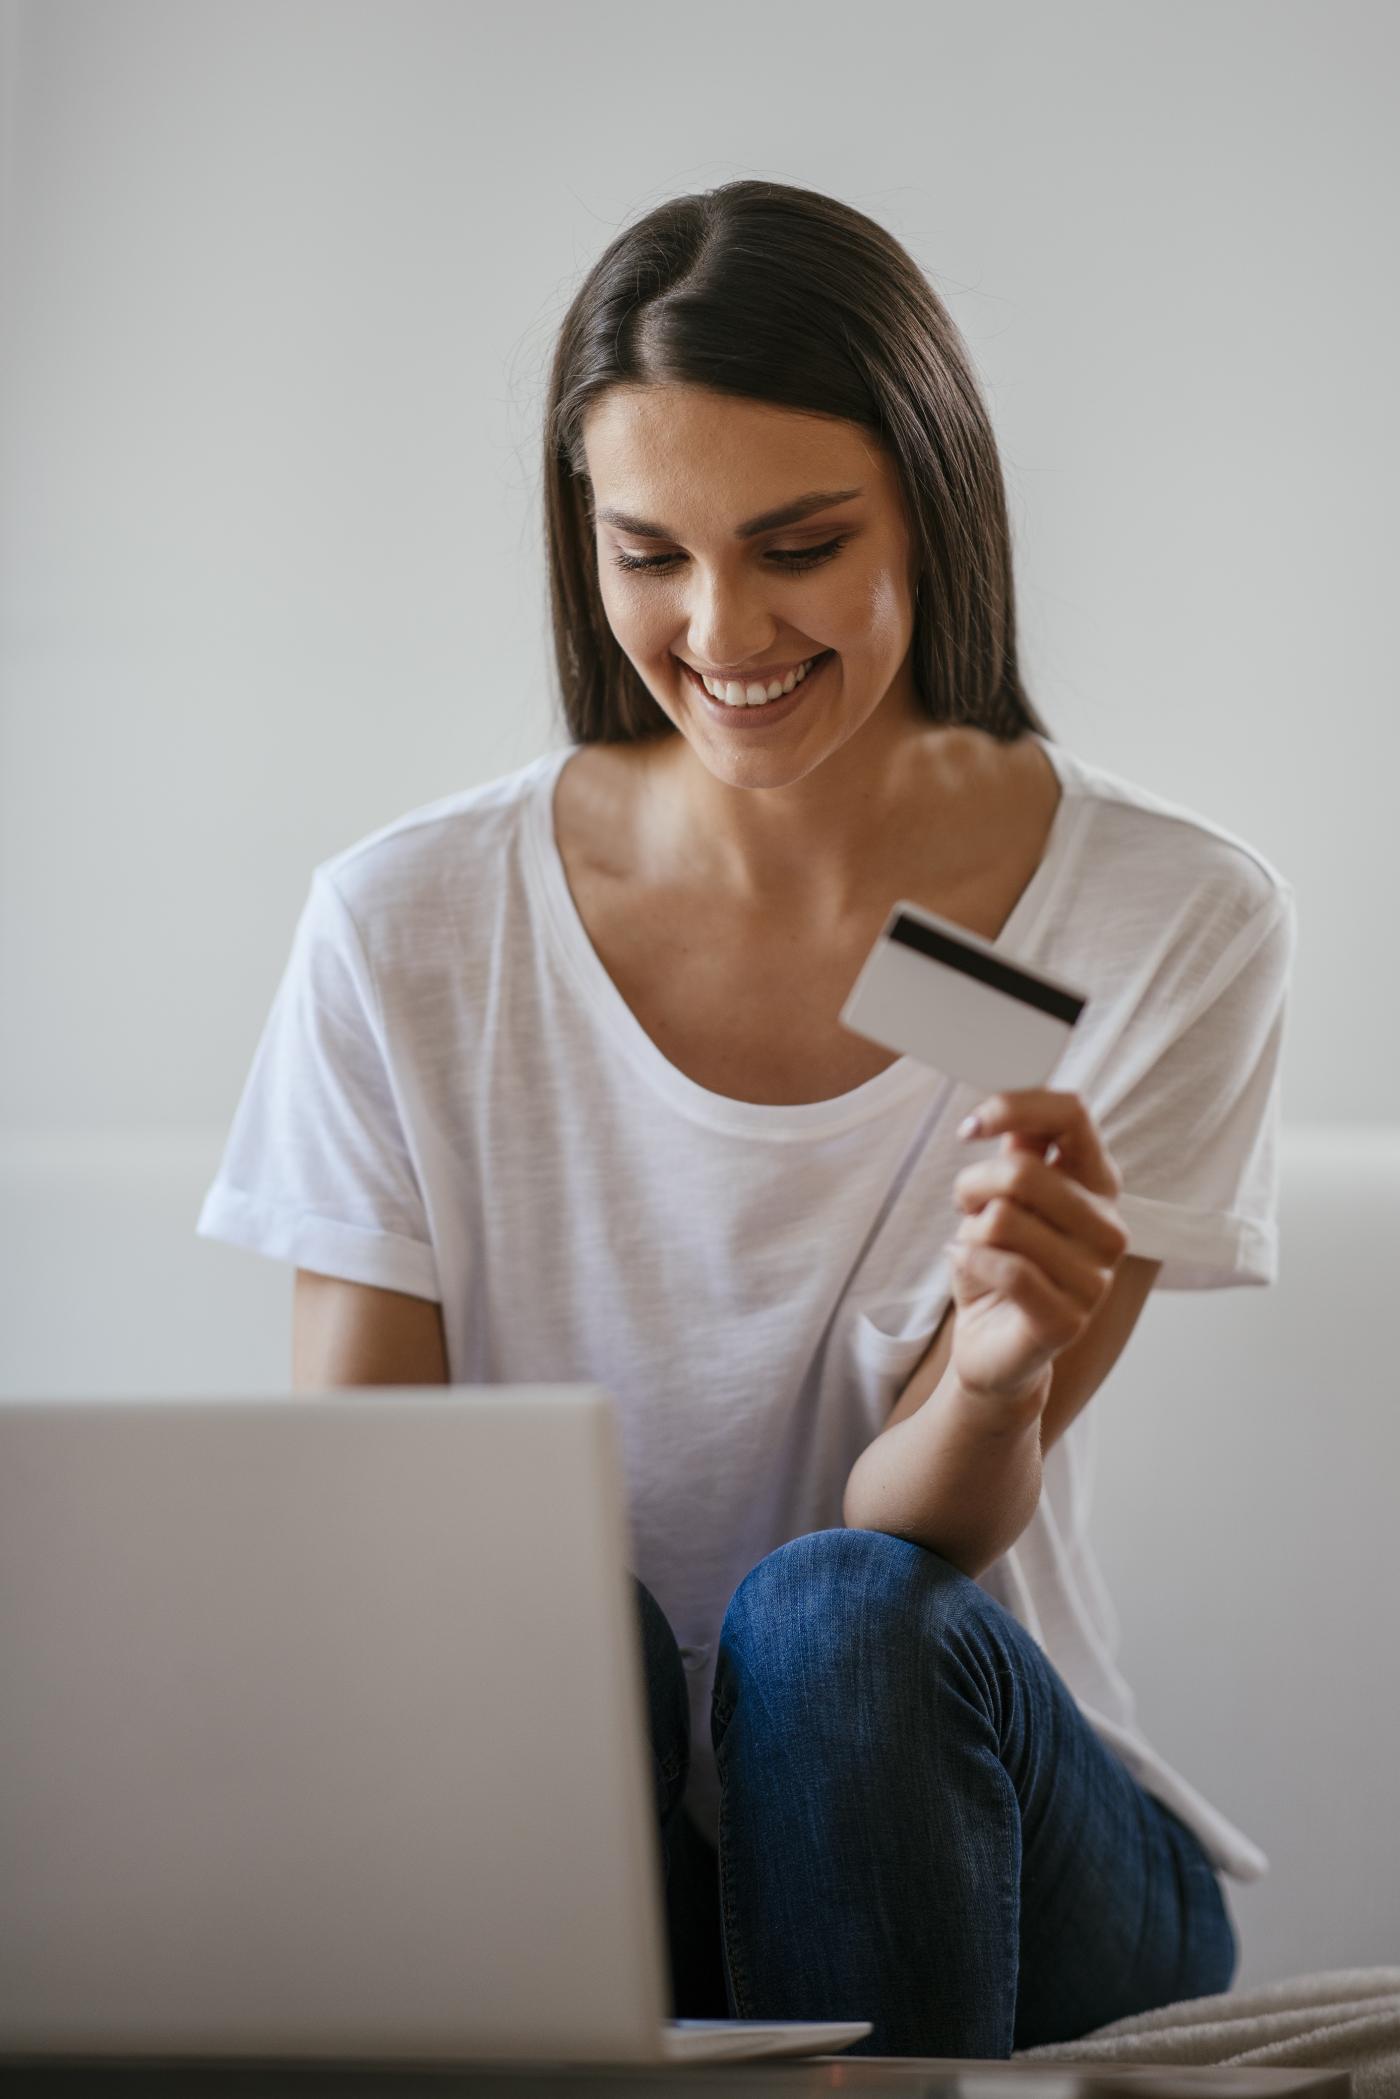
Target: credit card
<point>934,991</point>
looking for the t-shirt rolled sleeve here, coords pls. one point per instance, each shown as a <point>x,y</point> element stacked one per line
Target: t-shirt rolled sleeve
<point>322,1244</point>
<point>1195,1133</point>
<point>317,1170</point>
<point>1200,1250</point>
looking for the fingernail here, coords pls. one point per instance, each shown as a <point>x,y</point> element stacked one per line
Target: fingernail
<point>969,1126</point>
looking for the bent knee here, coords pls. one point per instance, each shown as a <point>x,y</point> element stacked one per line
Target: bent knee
<point>832,1589</point>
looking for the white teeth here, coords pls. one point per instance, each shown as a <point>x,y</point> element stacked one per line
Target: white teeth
<point>736,695</point>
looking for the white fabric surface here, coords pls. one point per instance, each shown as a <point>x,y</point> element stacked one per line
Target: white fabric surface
<point>1341,2019</point>
<point>451,1098</point>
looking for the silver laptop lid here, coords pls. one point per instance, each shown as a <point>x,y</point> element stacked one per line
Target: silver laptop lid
<point>323,1729</point>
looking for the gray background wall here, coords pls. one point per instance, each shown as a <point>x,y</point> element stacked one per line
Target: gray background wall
<point>281,280</point>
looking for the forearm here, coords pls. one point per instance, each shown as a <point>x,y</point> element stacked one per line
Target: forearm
<point>945,1480</point>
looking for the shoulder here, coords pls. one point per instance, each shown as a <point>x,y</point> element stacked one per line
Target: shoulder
<point>1169,860</point>
<point>410,883</point>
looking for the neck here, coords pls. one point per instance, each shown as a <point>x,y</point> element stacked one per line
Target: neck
<point>817,847</point>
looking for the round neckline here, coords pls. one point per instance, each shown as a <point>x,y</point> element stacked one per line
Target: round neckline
<point>792,1120</point>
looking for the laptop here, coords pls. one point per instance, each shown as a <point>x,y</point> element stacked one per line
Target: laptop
<point>323,1733</point>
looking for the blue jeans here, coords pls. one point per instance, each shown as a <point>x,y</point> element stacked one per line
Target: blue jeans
<point>917,1825</point>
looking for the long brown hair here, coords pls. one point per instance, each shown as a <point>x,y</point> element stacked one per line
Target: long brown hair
<point>785,295</point>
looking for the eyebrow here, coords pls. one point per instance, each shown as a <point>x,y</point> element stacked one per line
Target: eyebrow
<point>770,521</point>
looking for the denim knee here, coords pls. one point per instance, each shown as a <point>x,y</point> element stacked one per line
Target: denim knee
<point>840,1599</point>
<point>668,1701</point>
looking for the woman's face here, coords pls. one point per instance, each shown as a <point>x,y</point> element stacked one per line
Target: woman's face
<point>680,478</point>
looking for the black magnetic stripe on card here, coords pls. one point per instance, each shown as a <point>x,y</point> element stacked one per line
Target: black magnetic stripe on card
<point>988,969</point>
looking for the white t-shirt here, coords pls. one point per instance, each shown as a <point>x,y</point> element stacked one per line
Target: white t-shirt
<point>450,1097</point>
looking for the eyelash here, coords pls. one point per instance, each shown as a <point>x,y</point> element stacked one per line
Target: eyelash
<point>790,557</point>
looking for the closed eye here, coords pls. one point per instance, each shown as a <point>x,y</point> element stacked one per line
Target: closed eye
<point>786,557</point>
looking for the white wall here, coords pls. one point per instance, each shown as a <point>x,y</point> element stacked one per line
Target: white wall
<point>281,279</point>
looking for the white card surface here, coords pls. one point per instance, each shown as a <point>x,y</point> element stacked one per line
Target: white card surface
<point>932,990</point>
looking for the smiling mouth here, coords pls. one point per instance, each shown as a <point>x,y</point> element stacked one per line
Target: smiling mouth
<point>739,706</point>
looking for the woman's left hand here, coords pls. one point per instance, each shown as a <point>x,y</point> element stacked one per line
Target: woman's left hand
<point>1035,1255</point>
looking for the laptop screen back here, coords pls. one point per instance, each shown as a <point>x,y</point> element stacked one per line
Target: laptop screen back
<point>322,1729</point>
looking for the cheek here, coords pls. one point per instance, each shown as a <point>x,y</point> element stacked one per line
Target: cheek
<point>643,634</point>
<point>860,612</point>
<point>635,618</point>
<point>885,608</point>
<point>615,600</point>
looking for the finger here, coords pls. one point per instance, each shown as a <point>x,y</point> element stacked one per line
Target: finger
<point>1062,1118</point>
<point>1020,1280</point>
<point>1061,1202</point>
<point>1008,1228</point>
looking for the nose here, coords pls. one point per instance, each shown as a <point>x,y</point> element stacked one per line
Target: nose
<point>728,626</point>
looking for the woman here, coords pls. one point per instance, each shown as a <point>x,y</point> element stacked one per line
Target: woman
<point>555,1088</point>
